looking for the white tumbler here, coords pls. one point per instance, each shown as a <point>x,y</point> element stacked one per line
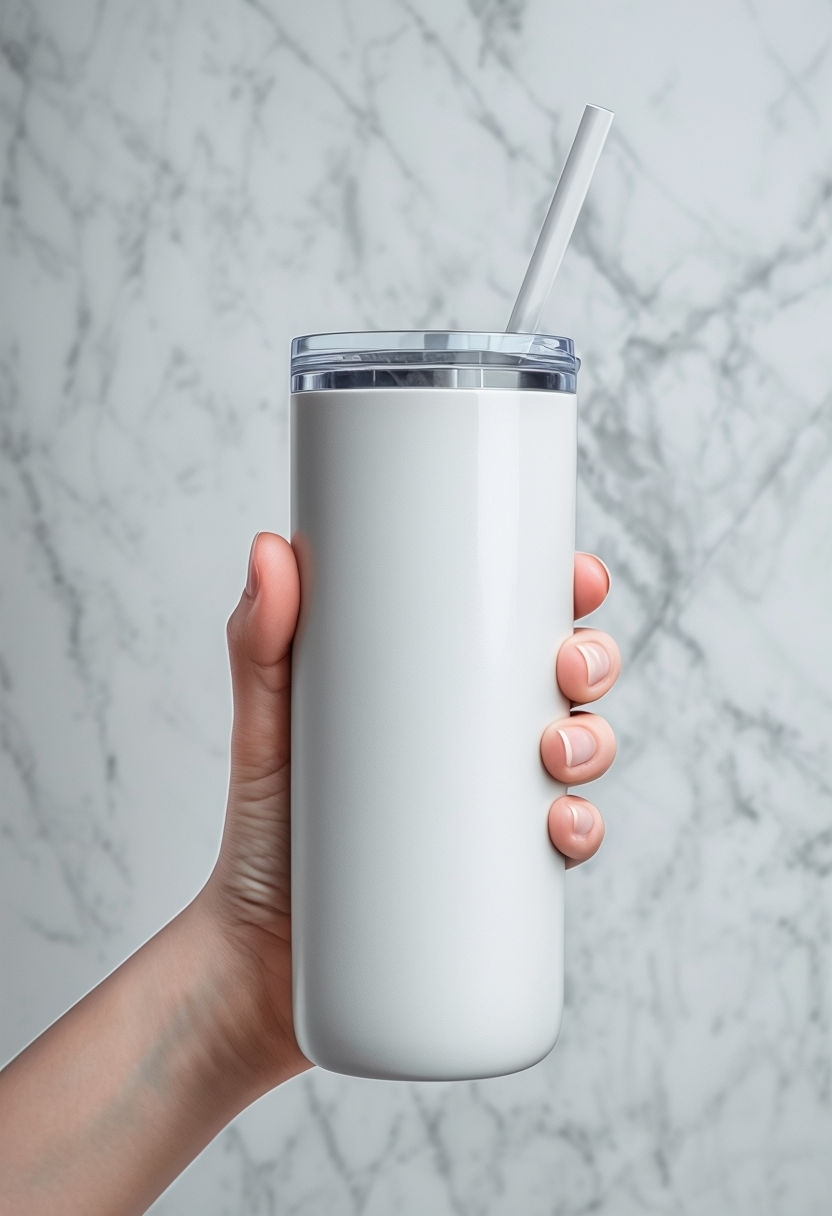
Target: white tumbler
<point>433,517</point>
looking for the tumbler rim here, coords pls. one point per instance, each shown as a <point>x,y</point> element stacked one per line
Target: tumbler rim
<point>433,358</point>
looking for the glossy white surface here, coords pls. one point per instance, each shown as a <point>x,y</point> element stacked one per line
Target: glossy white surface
<point>435,531</point>
<point>182,191</point>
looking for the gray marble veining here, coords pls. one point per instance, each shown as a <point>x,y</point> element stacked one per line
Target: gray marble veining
<point>186,186</point>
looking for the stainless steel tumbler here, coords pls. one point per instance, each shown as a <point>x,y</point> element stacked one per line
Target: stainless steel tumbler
<point>433,505</point>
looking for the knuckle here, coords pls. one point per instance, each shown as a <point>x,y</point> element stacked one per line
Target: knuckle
<point>233,629</point>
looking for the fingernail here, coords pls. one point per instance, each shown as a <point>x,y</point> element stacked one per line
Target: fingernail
<point>578,743</point>
<point>597,661</point>
<point>582,819</point>
<point>606,571</point>
<point>252,577</point>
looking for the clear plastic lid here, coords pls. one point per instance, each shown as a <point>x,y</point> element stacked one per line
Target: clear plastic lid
<point>433,359</point>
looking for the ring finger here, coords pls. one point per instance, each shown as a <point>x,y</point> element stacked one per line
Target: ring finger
<point>578,748</point>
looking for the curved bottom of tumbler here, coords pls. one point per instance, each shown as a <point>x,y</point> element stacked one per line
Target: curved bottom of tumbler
<point>475,1059</point>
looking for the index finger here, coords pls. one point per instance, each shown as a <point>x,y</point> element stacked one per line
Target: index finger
<point>592,582</point>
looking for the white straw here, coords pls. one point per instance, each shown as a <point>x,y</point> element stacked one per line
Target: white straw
<point>560,221</point>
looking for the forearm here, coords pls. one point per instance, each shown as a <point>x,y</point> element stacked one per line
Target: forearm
<point>104,1110</point>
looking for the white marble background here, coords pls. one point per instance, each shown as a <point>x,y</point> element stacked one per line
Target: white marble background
<point>187,184</point>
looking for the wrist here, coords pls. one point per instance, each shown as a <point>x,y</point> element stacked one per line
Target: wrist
<point>245,1025</point>
<point>105,1108</point>
<point>194,1025</point>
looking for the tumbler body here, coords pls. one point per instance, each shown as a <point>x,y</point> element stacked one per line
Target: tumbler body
<point>434,529</point>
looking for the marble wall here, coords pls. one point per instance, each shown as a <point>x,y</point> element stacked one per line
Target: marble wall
<point>188,183</point>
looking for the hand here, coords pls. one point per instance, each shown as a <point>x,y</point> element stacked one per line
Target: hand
<point>109,1104</point>
<point>249,890</point>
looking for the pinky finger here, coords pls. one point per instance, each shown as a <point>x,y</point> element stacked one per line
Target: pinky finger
<point>576,828</point>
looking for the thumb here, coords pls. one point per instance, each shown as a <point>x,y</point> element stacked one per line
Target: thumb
<point>260,632</point>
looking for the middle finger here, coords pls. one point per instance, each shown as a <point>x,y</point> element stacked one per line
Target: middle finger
<point>588,664</point>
